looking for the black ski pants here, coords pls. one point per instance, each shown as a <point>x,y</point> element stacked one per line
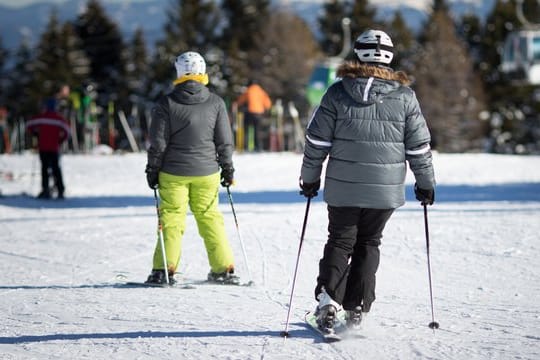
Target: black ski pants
<point>351,255</point>
<point>252,121</point>
<point>50,160</point>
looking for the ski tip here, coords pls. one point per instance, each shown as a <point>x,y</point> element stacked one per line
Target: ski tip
<point>250,283</point>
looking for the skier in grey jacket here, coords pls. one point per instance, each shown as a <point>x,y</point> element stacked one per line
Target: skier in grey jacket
<point>190,140</point>
<point>369,125</point>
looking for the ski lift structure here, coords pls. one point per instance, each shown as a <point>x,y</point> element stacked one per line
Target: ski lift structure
<point>521,51</point>
<point>324,73</point>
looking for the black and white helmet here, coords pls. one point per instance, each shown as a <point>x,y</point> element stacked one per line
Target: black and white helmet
<point>374,46</point>
<point>190,63</point>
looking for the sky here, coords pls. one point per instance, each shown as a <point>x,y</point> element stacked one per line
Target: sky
<point>66,262</point>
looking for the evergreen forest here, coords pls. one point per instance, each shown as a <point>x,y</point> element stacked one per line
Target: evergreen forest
<point>107,83</point>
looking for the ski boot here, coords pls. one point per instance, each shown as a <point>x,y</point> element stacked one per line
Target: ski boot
<point>326,318</point>
<point>354,318</point>
<point>326,312</point>
<point>158,277</point>
<point>227,277</point>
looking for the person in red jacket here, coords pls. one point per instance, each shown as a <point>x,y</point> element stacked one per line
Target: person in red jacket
<point>52,130</point>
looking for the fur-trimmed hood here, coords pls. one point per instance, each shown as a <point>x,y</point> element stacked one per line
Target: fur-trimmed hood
<point>355,69</point>
<point>367,83</point>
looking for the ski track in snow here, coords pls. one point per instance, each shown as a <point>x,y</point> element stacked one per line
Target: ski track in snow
<point>63,261</point>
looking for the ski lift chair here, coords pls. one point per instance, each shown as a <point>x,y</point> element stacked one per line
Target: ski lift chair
<point>323,75</point>
<point>521,56</point>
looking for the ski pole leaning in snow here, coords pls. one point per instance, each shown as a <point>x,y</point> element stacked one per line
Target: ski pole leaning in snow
<point>239,236</point>
<point>285,333</point>
<point>161,242</point>
<point>433,324</point>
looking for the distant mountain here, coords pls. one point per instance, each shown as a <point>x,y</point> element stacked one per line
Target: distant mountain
<point>29,21</point>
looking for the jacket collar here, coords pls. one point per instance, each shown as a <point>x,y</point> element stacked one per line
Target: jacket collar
<point>356,69</point>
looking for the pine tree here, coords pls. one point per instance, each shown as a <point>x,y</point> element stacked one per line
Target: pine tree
<point>3,81</point>
<point>287,66</point>
<point>470,29</point>
<point>19,102</point>
<point>499,23</point>
<point>50,67</point>
<point>362,16</point>
<point>137,64</point>
<point>191,25</point>
<point>103,45</point>
<point>330,25</point>
<point>403,40</point>
<point>448,89</point>
<point>244,21</point>
<point>243,54</point>
<point>75,64</point>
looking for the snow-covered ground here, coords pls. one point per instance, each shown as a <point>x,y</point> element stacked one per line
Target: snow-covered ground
<point>62,263</point>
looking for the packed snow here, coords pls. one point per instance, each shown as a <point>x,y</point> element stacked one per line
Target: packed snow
<point>64,262</point>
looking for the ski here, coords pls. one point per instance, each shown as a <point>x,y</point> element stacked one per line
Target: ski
<point>221,283</point>
<point>150,285</point>
<point>329,337</point>
<point>181,283</point>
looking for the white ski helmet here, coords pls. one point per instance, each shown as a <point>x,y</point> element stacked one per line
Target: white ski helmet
<point>374,46</point>
<point>190,63</point>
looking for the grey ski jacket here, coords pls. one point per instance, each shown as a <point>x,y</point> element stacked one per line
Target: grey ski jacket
<point>369,124</point>
<point>190,133</point>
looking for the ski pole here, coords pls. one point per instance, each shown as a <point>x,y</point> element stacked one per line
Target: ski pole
<point>285,333</point>
<point>433,324</point>
<point>160,237</point>
<point>33,173</point>
<point>239,236</point>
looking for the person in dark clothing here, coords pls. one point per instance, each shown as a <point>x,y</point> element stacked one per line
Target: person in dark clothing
<point>369,125</point>
<point>52,130</point>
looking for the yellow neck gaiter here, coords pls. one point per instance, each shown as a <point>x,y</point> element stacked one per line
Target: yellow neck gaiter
<point>202,78</point>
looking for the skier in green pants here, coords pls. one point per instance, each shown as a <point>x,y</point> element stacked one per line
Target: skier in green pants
<point>190,141</point>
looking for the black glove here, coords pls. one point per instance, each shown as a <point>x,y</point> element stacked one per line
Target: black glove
<point>425,196</point>
<point>227,176</point>
<point>152,177</point>
<point>309,190</point>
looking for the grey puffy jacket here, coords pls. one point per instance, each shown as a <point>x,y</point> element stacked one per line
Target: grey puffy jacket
<point>190,133</point>
<point>368,124</point>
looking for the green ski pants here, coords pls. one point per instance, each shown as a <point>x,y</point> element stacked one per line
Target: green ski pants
<point>200,193</point>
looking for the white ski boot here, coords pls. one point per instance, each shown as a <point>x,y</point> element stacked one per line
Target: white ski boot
<point>326,312</point>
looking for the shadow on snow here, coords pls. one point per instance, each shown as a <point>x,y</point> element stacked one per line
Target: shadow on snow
<point>135,335</point>
<point>521,192</point>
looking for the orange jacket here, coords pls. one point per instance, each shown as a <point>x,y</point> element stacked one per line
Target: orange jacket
<point>256,98</point>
